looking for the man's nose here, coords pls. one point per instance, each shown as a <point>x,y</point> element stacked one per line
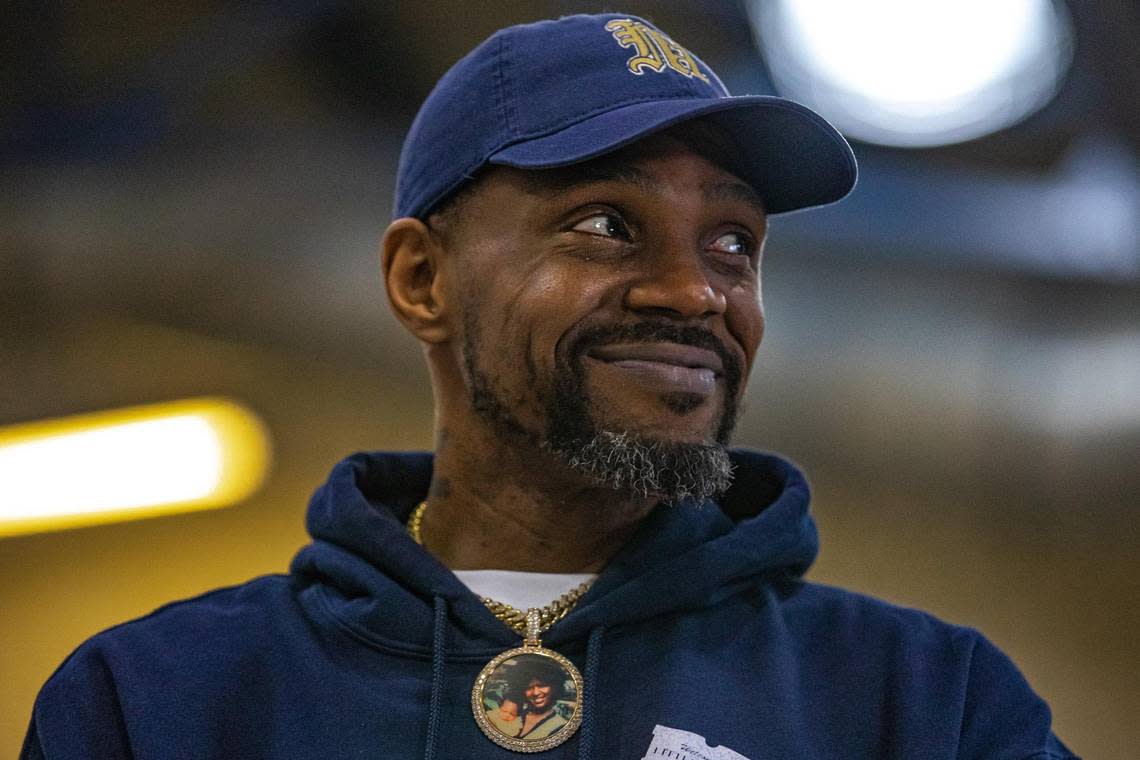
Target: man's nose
<point>676,283</point>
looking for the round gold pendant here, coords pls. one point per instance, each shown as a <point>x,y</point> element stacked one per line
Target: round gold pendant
<point>528,699</point>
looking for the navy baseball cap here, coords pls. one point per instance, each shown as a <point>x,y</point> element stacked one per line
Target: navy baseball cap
<point>555,93</point>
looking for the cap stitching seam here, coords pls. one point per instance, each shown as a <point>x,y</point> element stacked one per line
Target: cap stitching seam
<point>501,85</point>
<point>496,81</point>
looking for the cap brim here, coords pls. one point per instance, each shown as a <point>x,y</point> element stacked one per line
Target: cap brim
<point>791,156</point>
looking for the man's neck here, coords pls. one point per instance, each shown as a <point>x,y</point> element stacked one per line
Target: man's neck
<point>492,506</point>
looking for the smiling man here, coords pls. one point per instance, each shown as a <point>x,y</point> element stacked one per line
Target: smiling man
<point>622,301</point>
<point>580,215</point>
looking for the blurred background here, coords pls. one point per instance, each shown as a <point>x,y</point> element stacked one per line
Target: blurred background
<point>193,195</point>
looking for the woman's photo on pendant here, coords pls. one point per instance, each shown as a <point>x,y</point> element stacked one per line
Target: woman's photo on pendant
<point>529,697</point>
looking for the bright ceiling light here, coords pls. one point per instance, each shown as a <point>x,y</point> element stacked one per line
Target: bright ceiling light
<point>129,463</point>
<point>916,72</point>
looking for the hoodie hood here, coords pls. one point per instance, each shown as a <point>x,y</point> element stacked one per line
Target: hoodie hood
<point>372,577</point>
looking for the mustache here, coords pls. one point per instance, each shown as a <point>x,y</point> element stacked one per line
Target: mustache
<point>653,332</point>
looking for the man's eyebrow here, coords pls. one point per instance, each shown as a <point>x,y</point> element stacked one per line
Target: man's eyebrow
<point>562,180</point>
<point>555,182</point>
<point>733,191</point>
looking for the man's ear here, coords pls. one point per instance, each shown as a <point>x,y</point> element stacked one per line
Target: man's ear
<point>410,259</point>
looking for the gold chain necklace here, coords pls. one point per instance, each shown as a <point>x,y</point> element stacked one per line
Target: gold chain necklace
<point>513,617</point>
<point>528,682</point>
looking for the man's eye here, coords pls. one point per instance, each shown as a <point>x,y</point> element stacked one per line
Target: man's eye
<point>605,225</point>
<point>734,243</point>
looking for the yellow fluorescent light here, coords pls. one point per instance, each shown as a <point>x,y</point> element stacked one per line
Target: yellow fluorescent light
<point>129,463</point>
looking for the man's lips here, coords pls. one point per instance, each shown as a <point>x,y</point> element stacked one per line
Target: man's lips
<point>664,367</point>
<point>677,354</point>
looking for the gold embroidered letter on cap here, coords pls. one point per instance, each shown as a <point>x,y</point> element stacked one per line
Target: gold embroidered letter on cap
<point>678,58</point>
<point>632,35</point>
<point>655,49</point>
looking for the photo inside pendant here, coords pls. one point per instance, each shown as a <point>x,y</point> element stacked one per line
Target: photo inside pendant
<point>529,697</point>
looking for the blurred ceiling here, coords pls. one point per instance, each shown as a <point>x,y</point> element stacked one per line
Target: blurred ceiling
<point>89,80</point>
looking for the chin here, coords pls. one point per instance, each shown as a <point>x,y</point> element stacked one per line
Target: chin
<point>695,426</point>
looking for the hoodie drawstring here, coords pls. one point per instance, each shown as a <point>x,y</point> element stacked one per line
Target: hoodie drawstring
<point>438,649</point>
<point>590,684</point>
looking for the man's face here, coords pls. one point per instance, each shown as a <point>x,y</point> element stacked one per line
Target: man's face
<point>538,694</point>
<point>615,300</point>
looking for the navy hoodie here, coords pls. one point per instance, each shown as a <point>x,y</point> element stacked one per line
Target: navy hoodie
<point>368,648</point>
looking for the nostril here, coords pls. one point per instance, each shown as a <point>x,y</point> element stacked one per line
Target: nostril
<point>685,302</point>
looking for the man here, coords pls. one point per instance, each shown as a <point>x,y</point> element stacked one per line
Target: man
<point>581,210</point>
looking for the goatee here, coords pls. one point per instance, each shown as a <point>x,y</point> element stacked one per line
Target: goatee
<point>672,471</point>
